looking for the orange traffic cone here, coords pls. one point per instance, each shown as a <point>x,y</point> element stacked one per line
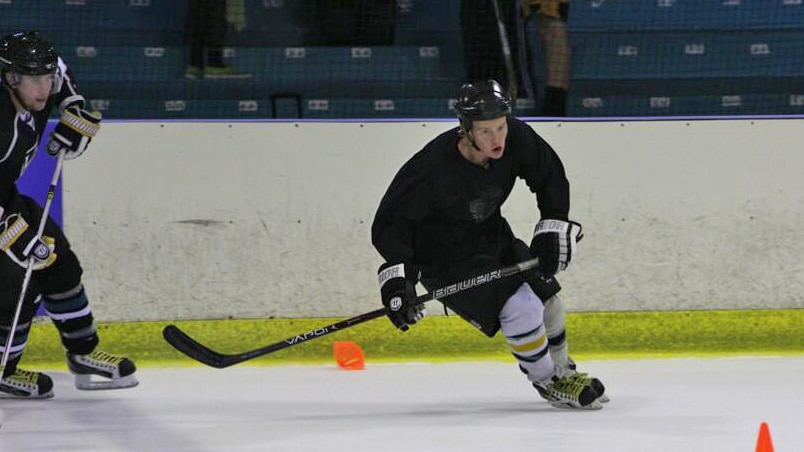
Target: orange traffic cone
<point>349,355</point>
<point>764,443</point>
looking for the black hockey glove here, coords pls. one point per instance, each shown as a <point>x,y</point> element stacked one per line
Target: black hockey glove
<point>554,243</point>
<point>20,242</point>
<point>74,132</point>
<point>398,290</point>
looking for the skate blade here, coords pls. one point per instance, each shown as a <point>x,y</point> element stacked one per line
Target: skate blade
<point>21,396</point>
<point>85,383</point>
<point>595,405</point>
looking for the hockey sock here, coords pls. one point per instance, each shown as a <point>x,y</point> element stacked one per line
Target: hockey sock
<point>20,334</point>
<point>20,340</point>
<point>71,314</point>
<point>521,321</point>
<point>555,324</point>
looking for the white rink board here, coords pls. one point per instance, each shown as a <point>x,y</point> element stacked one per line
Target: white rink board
<point>183,220</point>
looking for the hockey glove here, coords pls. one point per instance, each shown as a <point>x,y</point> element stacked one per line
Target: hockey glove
<point>398,290</point>
<point>74,132</point>
<point>554,243</point>
<point>20,242</point>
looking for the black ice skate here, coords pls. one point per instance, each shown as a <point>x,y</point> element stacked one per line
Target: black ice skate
<point>596,383</point>
<point>569,392</point>
<point>117,372</point>
<point>27,385</point>
<point>581,378</point>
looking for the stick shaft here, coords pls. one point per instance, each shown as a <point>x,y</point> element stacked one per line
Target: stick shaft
<point>199,352</point>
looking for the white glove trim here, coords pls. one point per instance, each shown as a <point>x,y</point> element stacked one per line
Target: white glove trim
<point>545,226</point>
<point>80,124</point>
<point>568,235</point>
<point>14,227</point>
<point>395,271</point>
<point>76,101</point>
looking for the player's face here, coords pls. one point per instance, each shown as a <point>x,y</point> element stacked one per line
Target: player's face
<point>489,136</point>
<point>34,90</point>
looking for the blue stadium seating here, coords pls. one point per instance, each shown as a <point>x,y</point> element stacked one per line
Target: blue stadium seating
<point>702,105</point>
<point>343,65</point>
<point>656,57</point>
<point>688,15</point>
<point>423,23</point>
<point>363,73</point>
<point>186,109</point>
<point>92,22</point>
<point>126,66</point>
<point>674,57</point>
<point>286,108</point>
<point>639,55</point>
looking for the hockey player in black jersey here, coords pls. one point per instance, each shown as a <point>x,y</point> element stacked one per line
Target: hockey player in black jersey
<point>440,222</point>
<point>33,81</point>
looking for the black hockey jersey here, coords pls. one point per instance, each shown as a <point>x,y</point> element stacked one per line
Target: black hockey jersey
<point>441,209</point>
<point>20,133</point>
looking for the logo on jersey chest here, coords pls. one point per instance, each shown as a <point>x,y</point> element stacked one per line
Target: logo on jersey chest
<point>484,206</point>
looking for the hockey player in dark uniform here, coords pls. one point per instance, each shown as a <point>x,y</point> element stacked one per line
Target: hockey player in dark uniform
<point>33,81</point>
<point>440,222</point>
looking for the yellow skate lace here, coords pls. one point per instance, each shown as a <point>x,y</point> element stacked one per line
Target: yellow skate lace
<point>581,377</point>
<point>24,377</point>
<point>104,357</point>
<point>567,388</point>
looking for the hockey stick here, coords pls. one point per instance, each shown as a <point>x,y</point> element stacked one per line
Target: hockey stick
<point>51,192</point>
<point>506,48</point>
<point>199,352</point>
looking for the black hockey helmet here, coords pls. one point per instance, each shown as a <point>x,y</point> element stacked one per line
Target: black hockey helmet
<point>481,101</point>
<point>27,53</point>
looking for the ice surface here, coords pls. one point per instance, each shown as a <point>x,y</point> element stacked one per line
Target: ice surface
<point>656,405</point>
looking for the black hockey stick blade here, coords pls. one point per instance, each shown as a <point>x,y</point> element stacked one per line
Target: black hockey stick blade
<point>192,348</point>
<point>182,342</point>
<point>201,353</point>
